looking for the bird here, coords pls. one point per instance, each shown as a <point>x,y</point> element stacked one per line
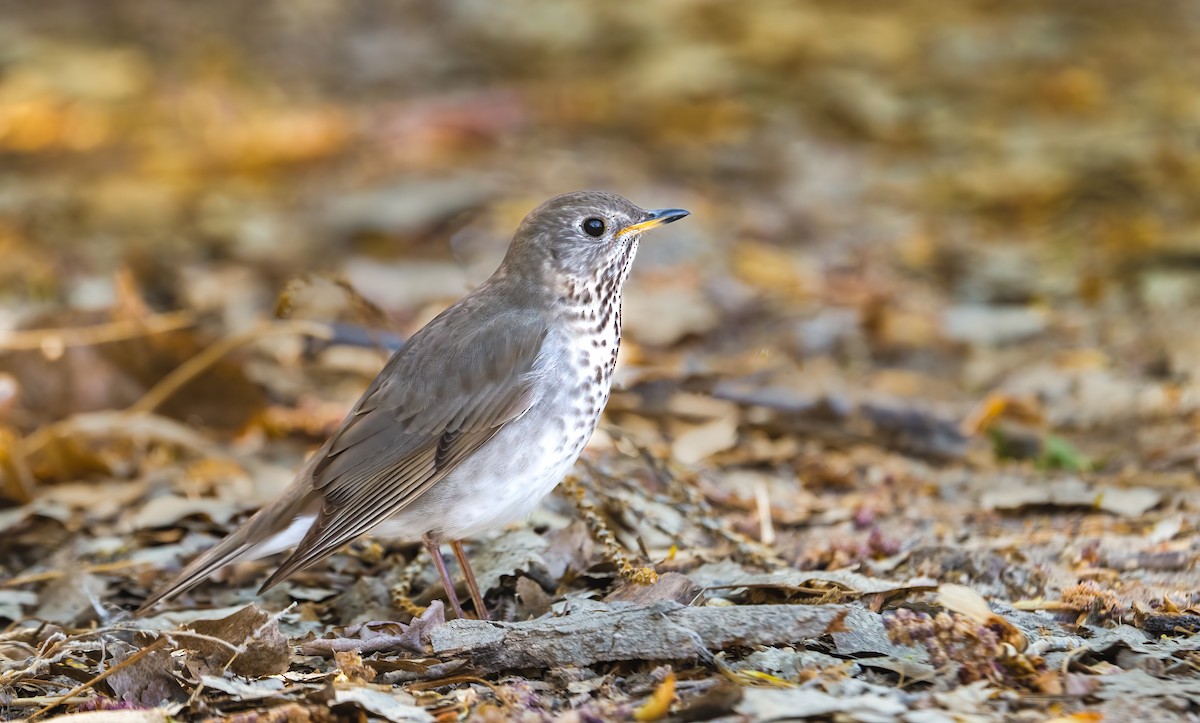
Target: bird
<point>477,417</point>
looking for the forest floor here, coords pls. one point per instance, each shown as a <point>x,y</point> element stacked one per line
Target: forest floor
<point>905,426</point>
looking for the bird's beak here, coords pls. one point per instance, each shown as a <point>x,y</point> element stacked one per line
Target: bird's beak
<point>661,217</point>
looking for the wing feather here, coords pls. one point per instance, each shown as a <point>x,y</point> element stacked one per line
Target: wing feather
<point>446,393</point>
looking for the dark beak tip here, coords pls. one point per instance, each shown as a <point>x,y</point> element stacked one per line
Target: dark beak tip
<point>669,215</point>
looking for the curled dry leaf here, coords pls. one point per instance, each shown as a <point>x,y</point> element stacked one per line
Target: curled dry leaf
<point>659,704</point>
<point>965,601</point>
<point>395,707</point>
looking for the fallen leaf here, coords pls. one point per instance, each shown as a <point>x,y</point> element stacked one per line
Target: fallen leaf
<point>114,716</point>
<point>168,510</point>
<point>659,704</point>
<point>965,601</point>
<point>669,586</point>
<point>1071,492</point>
<point>13,603</point>
<point>147,682</point>
<point>396,707</point>
<point>664,315</point>
<point>705,440</point>
<point>264,650</point>
<point>242,690</point>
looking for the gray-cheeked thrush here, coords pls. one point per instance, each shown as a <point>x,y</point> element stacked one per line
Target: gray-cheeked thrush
<point>478,416</point>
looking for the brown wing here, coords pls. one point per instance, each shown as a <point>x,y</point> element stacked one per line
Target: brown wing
<point>450,389</point>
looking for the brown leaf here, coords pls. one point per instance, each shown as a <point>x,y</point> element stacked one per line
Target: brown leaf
<point>264,649</point>
<point>669,586</point>
<point>147,682</point>
<point>532,600</point>
<point>350,664</point>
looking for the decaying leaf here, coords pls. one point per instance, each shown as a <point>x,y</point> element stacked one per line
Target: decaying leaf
<point>659,704</point>
<point>669,586</point>
<point>394,707</point>
<point>253,645</point>
<point>924,357</point>
<point>965,601</point>
<point>148,682</point>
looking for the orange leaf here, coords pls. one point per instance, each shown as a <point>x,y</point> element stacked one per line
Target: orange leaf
<point>659,704</point>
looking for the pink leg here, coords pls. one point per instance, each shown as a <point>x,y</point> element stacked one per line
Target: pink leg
<point>435,551</point>
<point>461,555</point>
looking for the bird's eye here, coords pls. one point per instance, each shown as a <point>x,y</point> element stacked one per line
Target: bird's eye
<point>593,227</point>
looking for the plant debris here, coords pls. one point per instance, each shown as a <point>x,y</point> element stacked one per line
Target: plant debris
<point>905,419</point>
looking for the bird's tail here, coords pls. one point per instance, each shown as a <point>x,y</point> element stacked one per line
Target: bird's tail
<point>275,527</point>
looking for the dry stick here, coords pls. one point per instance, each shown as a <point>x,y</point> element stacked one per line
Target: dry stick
<point>40,700</point>
<point>455,680</point>
<point>762,500</point>
<point>85,686</point>
<point>29,339</point>
<point>200,363</point>
<point>449,680</point>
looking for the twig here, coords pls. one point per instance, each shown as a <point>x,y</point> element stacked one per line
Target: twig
<point>235,649</point>
<point>762,499</point>
<point>200,363</point>
<point>453,680</point>
<point>39,700</point>
<point>89,684</point>
<point>28,339</point>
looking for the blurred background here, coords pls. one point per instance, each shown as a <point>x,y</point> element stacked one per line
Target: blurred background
<point>982,211</point>
<point>935,318</point>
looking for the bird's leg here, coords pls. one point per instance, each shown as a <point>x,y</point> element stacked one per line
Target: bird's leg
<point>461,555</point>
<point>435,551</point>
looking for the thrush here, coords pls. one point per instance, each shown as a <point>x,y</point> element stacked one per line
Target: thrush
<point>478,416</point>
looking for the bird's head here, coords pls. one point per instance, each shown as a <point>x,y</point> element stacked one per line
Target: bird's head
<point>584,236</point>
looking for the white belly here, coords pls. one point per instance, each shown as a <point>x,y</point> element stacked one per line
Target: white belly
<point>506,478</point>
